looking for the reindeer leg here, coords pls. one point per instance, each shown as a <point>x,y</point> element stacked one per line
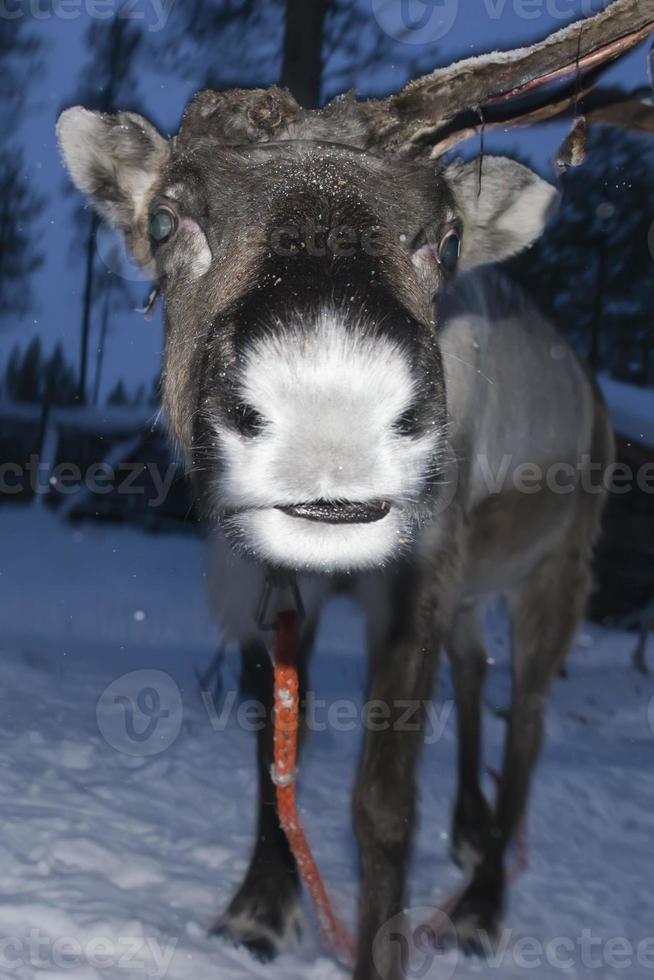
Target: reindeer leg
<point>403,665</point>
<point>472,813</point>
<point>545,612</point>
<point>266,907</point>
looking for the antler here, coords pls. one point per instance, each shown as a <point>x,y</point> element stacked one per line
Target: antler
<point>634,112</point>
<point>607,107</point>
<point>502,88</point>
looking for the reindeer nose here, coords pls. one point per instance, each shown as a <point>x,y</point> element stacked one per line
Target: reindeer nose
<point>249,421</point>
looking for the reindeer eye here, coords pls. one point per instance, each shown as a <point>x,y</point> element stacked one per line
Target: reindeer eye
<point>449,251</point>
<point>162,225</point>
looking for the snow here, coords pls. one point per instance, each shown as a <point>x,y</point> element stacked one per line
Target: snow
<point>120,846</point>
<point>631,408</point>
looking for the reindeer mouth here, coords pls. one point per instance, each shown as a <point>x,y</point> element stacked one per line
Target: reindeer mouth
<point>339,512</point>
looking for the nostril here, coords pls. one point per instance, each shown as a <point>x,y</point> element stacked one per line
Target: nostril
<point>408,424</point>
<point>249,422</point>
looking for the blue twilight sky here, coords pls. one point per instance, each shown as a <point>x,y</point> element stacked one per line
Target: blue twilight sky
<point>250,54</point>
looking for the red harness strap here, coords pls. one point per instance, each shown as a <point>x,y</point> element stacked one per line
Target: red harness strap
<point>286,724</point>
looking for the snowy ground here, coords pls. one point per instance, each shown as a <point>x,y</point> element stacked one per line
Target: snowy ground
<point>125,830</point>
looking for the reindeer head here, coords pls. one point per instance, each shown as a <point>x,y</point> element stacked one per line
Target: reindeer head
<point>301,256</point>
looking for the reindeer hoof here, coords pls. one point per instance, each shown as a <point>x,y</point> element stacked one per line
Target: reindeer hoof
<point>471,835</point>
<point>477,917</point>
<point>263,948</point>
<point>466,853</point>
<point>264,936</point>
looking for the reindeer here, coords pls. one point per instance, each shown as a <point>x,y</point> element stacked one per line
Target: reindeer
<point>343,369</point>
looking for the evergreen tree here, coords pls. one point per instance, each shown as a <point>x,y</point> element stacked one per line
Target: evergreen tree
<point>29,377</point>
<point>11,373</point>
<point>103,334</point>
<point>118,394</point>
<point>248,34</point>
<point>25,382</point>
<point>107,83</point>
<point>357,53</point>
<point>18,254</point>
<point>59,381</point>
<point>593,270</point>
<point>317,48</point>
<point>19,58</point>
<point>19,204</point>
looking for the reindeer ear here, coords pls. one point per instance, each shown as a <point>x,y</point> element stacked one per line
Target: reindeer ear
<point>504,207</point>
<point>115,159</point>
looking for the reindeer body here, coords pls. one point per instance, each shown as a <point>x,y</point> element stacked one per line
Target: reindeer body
<point>337,421</point>
<point>519,406</point>
<point>363,417</point>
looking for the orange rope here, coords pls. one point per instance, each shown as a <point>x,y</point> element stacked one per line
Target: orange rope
<point>334,933</point>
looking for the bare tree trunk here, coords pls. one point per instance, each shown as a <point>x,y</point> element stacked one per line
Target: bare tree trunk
<point>302,65</point>
<point>104,326</point>
<point>598,308</point>
<point>86,310</point>
<point>4,223</point>
<point>640,653</point>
